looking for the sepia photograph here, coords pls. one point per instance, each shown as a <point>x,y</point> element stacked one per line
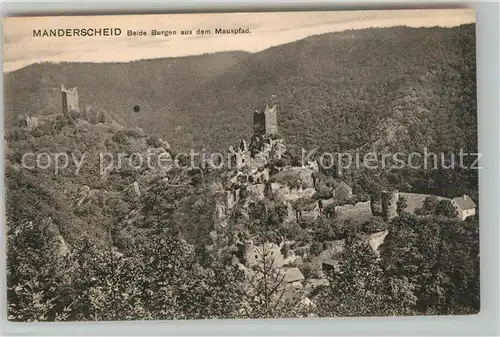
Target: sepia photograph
<point>241,165</point>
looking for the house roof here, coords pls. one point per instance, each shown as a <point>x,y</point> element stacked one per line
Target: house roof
<point>293,274</point>
<point>464,202</point>
<point>330,262</point>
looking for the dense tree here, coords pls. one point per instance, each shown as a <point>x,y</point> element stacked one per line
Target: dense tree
<point>37,287</point>
<point>265,294</point>
<point>375,224</point>
<point>429,206</point>
<point>446,208</point>
<point>327,229</point>
<point>401,204</point>
<point>266,220</point>
<point>440,256</point>
<point>361,288</point>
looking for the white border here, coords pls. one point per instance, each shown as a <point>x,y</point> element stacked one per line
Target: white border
<point>484,324</point>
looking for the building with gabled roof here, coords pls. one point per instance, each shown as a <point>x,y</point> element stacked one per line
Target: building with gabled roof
<point>292,275</point>
<point>464,206</point>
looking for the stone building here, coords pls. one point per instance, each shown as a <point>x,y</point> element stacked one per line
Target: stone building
<point>271,252</point>
<point>293,277</point>
<point>389,204</point>
<point>464,206</point>
<point>239,154</point>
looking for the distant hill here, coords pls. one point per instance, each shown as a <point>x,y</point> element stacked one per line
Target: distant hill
<point>400,88</point>
<point>153,85</point>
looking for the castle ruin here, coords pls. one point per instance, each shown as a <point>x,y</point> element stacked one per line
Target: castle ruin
<point>28,122</point>
<point>266,122</point>
<point>70,102</point>
<point>264,144</point>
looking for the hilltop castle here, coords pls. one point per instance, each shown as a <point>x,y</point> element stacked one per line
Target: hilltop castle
<point>265,144</point>
<point>296,187</point>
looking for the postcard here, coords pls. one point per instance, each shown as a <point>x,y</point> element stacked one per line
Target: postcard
<point>241,165</point>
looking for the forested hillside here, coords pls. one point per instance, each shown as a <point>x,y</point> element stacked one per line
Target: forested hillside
<point>144,243</point>
<point>397,87</point>
<point>125,241</point>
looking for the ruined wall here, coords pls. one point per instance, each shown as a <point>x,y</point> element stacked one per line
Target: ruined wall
<point>239,155</point>
<point>254,254</point>
<point>232,198</point>
<point>271,120</point>
<point>242,155</point>
<point>31,122</point>
<point>279,148</point>
<point>27,122</point>
<point>241,158</point>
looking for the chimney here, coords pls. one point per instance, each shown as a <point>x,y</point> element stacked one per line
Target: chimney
<point>465,197</point>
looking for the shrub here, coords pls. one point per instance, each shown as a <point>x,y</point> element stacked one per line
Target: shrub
<point>135,133</point>
<point>74,114</point>
<point>120,137</point>
<point>445,208</point>
<point>316,248</point>
<point>324,193</point>
<point>401,204</point>
<point>375,224</point>
<point>154,142</point>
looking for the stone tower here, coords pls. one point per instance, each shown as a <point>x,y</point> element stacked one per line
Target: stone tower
<point>389,204</point>
<point>70,101</point>
<point>266,122</point>
<point>259,123</point>
<point>271,120</point>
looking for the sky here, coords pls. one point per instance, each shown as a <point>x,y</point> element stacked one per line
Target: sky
<point>268,29</point>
